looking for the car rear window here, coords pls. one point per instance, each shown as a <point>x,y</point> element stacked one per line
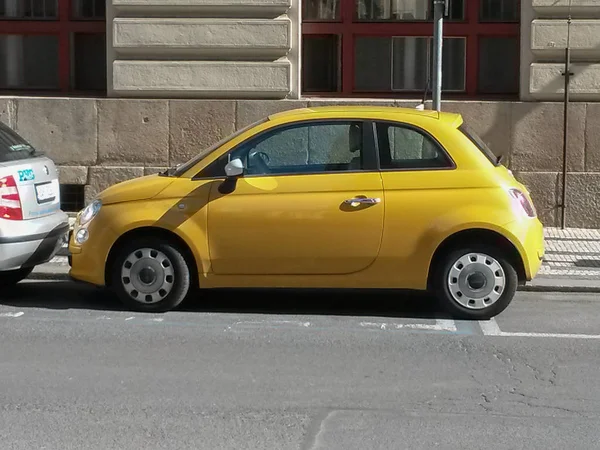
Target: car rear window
<point>12,146</point>
<point>483,148</point>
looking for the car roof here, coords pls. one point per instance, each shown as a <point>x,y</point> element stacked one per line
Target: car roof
<point>389,111</point>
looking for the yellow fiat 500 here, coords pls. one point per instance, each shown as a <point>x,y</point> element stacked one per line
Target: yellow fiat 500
<point>335,197</point>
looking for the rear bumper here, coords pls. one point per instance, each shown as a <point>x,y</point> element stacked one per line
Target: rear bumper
<point>530,237</point>
<point>29,243</point>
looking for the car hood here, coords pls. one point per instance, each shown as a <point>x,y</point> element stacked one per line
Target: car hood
<point>134,190</point>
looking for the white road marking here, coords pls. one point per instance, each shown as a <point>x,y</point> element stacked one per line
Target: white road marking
<point>294,322</point>
<point>488,327</point>
<point>552,335</point>
<point>10,314</point>
<point>491,328</point>
<point>446,324</point>
<point>269,322</point>
<point>317,441</point>
<point>440,325</point>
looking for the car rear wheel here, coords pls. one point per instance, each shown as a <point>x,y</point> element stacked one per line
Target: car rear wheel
<point>475,283</point>
<point>12,277</point>
<point>151,275</point>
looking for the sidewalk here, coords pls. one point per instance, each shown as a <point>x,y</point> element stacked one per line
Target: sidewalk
<point>572,263</point>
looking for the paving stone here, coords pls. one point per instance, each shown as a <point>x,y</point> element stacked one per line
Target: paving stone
<point>572,252</point>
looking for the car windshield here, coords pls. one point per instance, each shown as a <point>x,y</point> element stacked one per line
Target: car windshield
<point>483,148</point>
<point>182,168</point>
<point>12,146</point>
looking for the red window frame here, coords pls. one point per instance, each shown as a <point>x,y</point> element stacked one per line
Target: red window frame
<point>64,27</point>
<point>347,29</point>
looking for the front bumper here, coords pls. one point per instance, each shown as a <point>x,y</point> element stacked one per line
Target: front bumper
<point>88,260</point>
<point>70,256</point>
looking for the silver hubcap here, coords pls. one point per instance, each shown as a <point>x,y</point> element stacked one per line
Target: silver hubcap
<point>147,275</point>
<point>476,281</point>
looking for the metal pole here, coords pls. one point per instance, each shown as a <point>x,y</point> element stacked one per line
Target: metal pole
<point>439,7</point>
<point>566,122</point>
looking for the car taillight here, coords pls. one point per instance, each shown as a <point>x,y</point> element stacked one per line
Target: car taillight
<point>523,202</point>
<point>10,201</point>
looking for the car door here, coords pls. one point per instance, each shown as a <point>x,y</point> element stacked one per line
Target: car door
<point>418,179</point>
<point>310,202</point>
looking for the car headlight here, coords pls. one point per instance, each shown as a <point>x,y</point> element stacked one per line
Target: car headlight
<point>90,212</point>
<point>82,236</point>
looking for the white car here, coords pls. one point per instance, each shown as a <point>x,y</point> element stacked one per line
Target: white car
<point>32,225</point>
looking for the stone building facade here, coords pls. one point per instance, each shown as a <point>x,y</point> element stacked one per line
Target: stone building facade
<point>124,88</point>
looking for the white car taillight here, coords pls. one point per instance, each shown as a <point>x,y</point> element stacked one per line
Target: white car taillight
<point>10,201</point>
<point>522,202</point>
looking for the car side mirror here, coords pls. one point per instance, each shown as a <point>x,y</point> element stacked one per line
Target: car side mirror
<point>234,168</point>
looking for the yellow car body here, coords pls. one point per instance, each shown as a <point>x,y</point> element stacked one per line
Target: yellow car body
<point>302,229</point>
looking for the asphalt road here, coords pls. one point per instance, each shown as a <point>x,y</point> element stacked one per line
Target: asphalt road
<point>282,371</point>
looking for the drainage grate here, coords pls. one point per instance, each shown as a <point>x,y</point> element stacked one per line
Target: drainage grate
<point>72,197</point>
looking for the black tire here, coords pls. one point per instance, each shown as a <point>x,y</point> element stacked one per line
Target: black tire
<point>444,295</point>
<point>180,287</point>
<point>12,277</point>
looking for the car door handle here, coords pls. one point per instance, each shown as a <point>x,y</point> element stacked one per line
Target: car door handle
<point>362,201</point>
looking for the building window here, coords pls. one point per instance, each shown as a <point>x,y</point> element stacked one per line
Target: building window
<point>28,9</point>
<point>499,10</point>
<point>89,9</point>
<point>495,54</point>
<point>29,62</point>
<point>384,47</point>
<point>51,46</point>
<point>89,58</point>
<point>321,10</point>
<point>403,63</point>
<point>320,63</point>
<point>404,10</point>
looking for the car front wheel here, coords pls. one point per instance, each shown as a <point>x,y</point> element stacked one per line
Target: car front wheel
<point>150,275</point>
<point>12,277</point>
<point>475,283</point>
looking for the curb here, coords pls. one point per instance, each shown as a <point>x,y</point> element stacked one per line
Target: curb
<point>49,276</point>
<point>565,289</point>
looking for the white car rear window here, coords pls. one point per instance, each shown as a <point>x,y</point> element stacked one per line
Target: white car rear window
<point>12,146</point>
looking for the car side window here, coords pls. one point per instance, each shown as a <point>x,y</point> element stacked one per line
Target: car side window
<point>311,147</point>
<point>405,147</point>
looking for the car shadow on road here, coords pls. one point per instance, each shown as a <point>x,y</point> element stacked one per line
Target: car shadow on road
<point>65,295</point>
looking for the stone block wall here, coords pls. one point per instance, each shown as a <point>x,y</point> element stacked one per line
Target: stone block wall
<point>203,48</point>
<point>544,33</point>
<point>99,142</point>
